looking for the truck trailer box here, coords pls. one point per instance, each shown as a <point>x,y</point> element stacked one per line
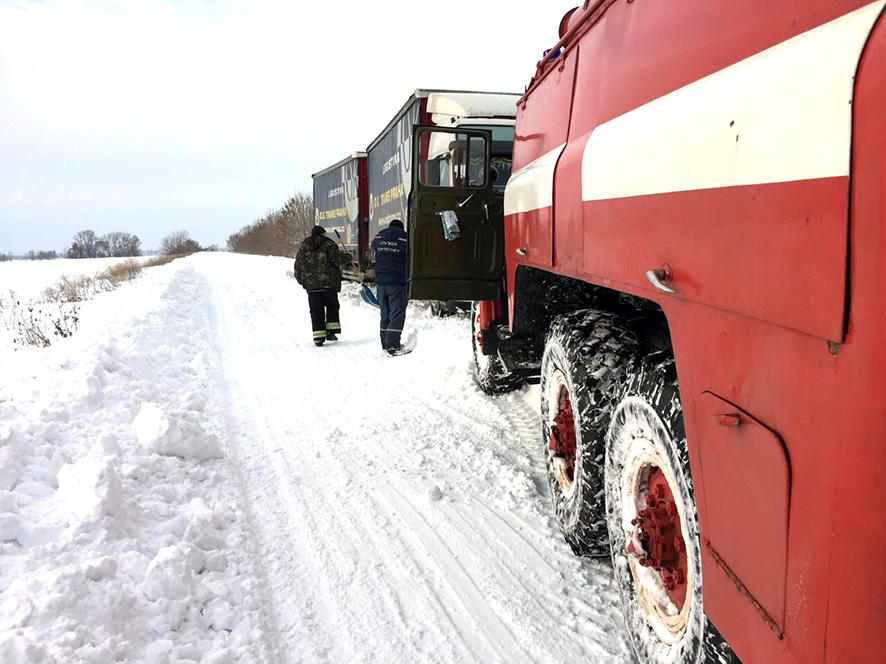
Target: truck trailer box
<point>341,206</point>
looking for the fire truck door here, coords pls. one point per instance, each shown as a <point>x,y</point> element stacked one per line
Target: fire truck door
<point>456,230</point>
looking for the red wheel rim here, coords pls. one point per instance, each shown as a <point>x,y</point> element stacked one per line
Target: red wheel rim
<point>562,439</point>
<point>658,537</point>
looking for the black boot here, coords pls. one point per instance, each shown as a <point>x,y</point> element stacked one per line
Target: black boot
<point>319,342</point>
<point>330,336</point>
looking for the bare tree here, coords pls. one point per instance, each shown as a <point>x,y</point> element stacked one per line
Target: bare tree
<point>123,244</point>
<point>279,232</point>
<point>299,213</point>
<point>84,245</point>
<point>179,242</point>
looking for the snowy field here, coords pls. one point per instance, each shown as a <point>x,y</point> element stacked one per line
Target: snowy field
<point>188,479</point>
<point>28,279</point>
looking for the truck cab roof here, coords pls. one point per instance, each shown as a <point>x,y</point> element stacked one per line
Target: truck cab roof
<point>451,106</point>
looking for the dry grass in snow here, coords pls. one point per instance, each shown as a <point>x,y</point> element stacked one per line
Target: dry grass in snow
<point>56,313</point>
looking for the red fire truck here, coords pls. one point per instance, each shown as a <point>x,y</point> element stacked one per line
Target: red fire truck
<point>693,262</point>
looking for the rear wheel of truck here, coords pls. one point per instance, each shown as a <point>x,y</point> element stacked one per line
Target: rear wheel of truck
<point>586,362</point>
<point>440,309</point>
<point>490,373</point>
<point>652,521</point>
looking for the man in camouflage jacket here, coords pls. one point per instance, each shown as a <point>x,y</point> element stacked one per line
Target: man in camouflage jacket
<point>317,269</point>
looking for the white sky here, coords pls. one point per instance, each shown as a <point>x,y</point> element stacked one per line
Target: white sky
<point>158,115</point>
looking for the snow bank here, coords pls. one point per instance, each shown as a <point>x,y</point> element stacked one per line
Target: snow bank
<point>177,435</point>
<point>121,533</point>
<point>90,488</point>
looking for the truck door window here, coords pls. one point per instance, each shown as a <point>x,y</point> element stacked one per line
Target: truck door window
<point>453,160</point>
<point>502,148</point>
<point>501,165</point>
<point>477,161</point>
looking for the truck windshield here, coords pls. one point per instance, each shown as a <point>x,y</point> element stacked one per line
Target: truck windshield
<point>503,133</point>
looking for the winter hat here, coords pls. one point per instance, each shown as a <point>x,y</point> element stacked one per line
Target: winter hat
<point>317,231</point>
<point>396,223</point>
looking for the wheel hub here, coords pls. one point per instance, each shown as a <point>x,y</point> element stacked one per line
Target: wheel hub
<point>562,440</point>
<point>657,540</point>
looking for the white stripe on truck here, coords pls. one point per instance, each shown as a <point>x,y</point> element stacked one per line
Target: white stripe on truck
<point>781,115</point>
<point>532,187</point>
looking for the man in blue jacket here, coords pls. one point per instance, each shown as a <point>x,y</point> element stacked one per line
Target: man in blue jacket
<point>391,274</point>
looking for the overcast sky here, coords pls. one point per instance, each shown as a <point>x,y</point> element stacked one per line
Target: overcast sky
<point>158,115</point>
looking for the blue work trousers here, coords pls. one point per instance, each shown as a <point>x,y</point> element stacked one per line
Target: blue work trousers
<point>392,302</point>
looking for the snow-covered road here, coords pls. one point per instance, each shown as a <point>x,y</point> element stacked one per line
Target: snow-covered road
<point>371,509</point>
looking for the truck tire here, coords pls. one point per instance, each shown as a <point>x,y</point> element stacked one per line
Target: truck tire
<point>440,309</point>
<point>653,524</point>
<point>586,362</point>
<point>490,373</point>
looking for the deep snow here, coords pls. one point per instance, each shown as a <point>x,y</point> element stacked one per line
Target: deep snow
<point>189,479</point>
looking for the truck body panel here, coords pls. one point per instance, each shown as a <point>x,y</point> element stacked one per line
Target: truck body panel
<point>743,146</point>
<point>341,203</point>
<point>390,166</point>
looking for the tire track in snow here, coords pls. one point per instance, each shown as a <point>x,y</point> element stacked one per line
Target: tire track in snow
<point>407,567</point>
<point>303,535</point>
<point>415,551</point>
<point>291,490</point>
<point>338,464</point>
<point>262,483</point>
<point>501,635</point>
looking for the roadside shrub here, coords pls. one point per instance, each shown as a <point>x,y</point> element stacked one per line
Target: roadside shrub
<point>179,243</point>
<point>158,260</point>
<point>56,314</point>
<point>125,271</point>
<point>39,323</point>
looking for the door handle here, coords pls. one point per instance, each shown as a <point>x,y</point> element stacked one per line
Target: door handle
<point>521,251</point>
<point>661,278</point>
<point>465,201</point>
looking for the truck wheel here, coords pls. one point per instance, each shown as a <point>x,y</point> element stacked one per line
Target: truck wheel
<point>438,309</point>
<point>490,373</point>
<point>652,521</point>
<point>584,369</point>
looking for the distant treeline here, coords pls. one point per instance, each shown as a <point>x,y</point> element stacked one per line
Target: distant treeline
<point>31,256</point>
<point>279,232</point>
<point>87,244</point>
